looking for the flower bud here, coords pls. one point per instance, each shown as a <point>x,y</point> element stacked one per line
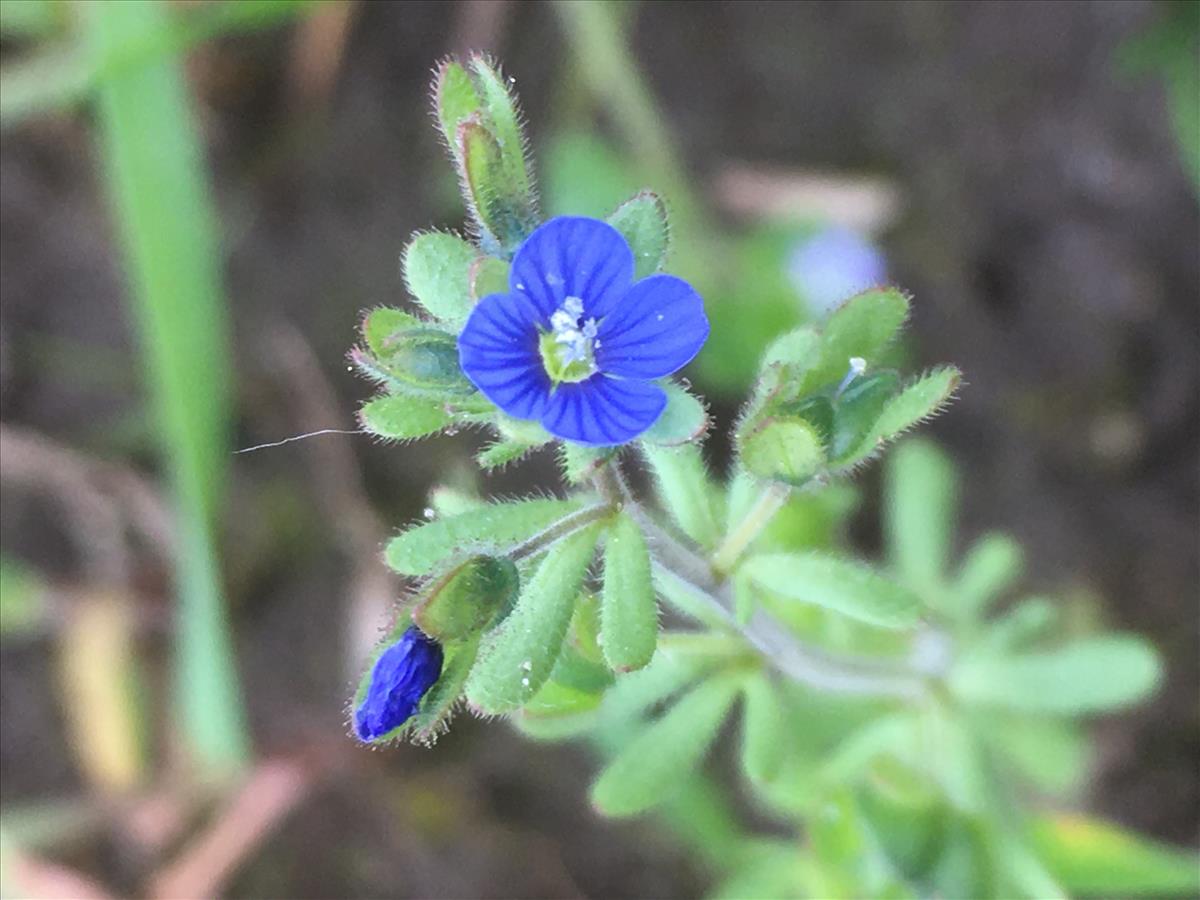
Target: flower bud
<point>471,597</point>
<point>393,689</point>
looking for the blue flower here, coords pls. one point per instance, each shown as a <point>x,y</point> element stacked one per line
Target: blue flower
<point>575,343</point>
<point>402,675</point>
<point>833,265</point>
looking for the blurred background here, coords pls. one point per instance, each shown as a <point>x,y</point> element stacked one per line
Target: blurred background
<point>197,201</point>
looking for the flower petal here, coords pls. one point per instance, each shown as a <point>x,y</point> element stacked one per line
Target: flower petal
<point>573,257</point>
<point>603,411</point>
<point>655,330</point>
<point>498,351</point>
<point>399,679</point>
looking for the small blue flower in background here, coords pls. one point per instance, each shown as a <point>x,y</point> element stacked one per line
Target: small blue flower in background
<point>401,677</point>
<point>833,265</point>
<point>575,344</point>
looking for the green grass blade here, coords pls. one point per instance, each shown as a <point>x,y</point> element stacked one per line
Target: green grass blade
<point>166,225</point>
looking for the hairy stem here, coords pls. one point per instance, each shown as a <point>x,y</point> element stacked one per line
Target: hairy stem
<point>682,572</point>
<point>564,527</point>
<point>760,515</point>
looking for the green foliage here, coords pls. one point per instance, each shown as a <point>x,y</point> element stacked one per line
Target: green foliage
<point>861,327</point>
<point>628,614</point>
<point>783,449</point>
<point>845,587</point>
<point>398,417</point>
<point>1090,858</point>
<point>520,656</point>
<point>684,420</point>
<point>642,220</point>
<point>1084,676</point>
<point>437,270</point>
<point>656,762</point>
<point>685,490</point>
<point>154,170</point>
<point>918,514</point>
<point>763,740</point>
<point>469,598</point>
<point>479,119</point>
<point>883,715</point>
<point>420,550</point>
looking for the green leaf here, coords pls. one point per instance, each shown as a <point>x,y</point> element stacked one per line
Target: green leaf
<point>382,323</point>
<point>920,498</point>
<point>919,401</point>
<point>1086,676</point>
<point>488,275</point>
<point>420,550</point>
<point>503,120</point>
<point>839,585</point>
<point>682,421</point>
<point>686,490</point>
<point>437,270</point>
<point>628,614</point>
<point>440,701</point>
<point>1091,857</point>
<point>642,220</point>
<point>687,598</point>
<point>763,740</point>
<point>861,327</point>
<point>580,462</point>
<point>472,596</point>
<point>455,99</point>
<point>523,651</point>
<point>502,205</point>
<point>783,449</point>
<point>993,564</point>
<point>402,417</point>
<point>858,408</point>
<point>1050,753</point>
<point>659,760</point>
<point>420,362</point>
<point>765,870</point>
<point>503,452</point>
<point>1020,626</point>
<point>154,169</point>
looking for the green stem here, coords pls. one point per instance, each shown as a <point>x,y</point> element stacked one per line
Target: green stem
<point>681,572</point>
<point>563,528</point>
<point>760,515</point>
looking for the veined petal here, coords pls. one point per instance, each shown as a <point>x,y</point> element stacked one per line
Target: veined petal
<point>498,352</point>
<point>603,411</point>
<point>655,330</point>
<point>573,257</point>
<point>400,677</point>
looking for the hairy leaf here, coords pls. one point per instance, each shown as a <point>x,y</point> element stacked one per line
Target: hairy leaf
<point>642,220</point>
<point>763,739</point>
<point>420,550</point>
<point>686,490</point>
<point>839,585</point>
<point>520,656</point>
<point>661,758</point>
<point>403,417</point>
<point>437,270</point>
<point>1085,676</point>
<point>629,614</point>
<point>919,505</point>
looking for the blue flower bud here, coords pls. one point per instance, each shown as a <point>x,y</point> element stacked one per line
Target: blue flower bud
<point>402,675</point>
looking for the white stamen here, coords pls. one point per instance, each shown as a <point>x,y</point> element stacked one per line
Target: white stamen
<point>577,340</point>
<point>858,365</point>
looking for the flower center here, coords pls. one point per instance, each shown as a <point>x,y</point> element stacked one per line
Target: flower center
<point>568,347</point>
